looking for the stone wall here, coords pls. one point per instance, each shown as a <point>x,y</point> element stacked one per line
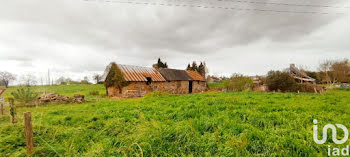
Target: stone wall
<point>199,86</point>
<point>140,89</point>
<point>176,87</point>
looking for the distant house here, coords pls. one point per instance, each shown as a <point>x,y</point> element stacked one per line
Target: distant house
<point>213,79</point>
<point>143,80</point>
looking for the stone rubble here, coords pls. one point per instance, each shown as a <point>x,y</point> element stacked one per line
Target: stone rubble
<point>56,98</point>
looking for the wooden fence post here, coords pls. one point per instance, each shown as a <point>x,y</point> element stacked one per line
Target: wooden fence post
<point>2,109</point>
<point>29,133</point>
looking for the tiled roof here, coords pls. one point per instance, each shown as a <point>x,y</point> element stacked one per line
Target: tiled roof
<point>195,75</point>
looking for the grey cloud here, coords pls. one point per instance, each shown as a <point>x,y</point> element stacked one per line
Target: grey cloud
<point>104,27</point>
<point>75,35</point>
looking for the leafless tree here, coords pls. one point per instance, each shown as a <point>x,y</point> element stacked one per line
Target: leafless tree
<point>60,80</point>
<point>6,78</point>
<point>341,70</point>
<point>97,78</point>
<point>28,80</point>
<point>325,68</point>
<point>335,71</point>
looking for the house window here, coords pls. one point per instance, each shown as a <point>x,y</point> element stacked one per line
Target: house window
<point>155,88</point>
<point>149,80</point>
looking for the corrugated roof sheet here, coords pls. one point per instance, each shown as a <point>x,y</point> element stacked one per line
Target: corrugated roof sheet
<point>195,75</point>
<point>136,73</point>
<point>175,75</point>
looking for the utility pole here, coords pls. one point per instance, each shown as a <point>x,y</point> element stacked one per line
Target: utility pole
<point>48,77</point>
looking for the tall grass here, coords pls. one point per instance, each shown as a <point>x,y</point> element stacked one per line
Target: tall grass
<point>221,124</point>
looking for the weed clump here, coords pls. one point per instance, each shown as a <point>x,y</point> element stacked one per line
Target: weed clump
<point>94,93</point>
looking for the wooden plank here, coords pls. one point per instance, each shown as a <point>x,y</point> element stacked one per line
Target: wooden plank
<point>2,109</point>
<point>29,133</point>
<point>2,90</point>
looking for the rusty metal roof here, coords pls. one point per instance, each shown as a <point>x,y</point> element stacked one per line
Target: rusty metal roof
<point>136,73</point>
<point>195,75</point>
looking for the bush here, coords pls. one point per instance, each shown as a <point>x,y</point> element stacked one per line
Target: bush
<point>281,81</point>
<point>310,88</point>
<point>238,83</point>
<point>24,95</point>
<point>314,75</point>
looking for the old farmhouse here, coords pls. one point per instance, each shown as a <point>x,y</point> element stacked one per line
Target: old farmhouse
<point>142,80</point>
<point>299,75</point>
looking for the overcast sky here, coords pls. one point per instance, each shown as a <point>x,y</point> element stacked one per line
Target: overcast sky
<point>77,38</point>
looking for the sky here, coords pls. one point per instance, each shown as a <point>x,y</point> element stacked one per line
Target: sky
<point>77,38</point>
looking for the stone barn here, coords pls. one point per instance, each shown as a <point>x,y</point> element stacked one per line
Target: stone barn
<point>183,82</point>
<point>199,83</point>
<point>142,80</point>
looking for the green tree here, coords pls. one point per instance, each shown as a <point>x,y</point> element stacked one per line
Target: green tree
<point>115,78</point>
<point>161,64</point>
<point>24,95</point>
<point>189,67</point>
<point>314,75</point>
<point>281,81</point>
<point>202,69</point>
<point>194,66</point>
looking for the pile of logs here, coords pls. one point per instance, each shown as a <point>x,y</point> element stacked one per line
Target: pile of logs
<point>56,98</point>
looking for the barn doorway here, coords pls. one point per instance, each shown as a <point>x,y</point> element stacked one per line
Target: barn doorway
<point>190,87</point>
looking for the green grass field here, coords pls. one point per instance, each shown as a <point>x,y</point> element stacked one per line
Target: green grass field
<point>216,85</point>
<point>208,124</point>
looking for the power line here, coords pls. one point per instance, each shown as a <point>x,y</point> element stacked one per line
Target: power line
<point>286,4</point>
<point>213,7</point>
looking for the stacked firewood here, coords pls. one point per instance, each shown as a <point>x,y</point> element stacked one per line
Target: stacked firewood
<point>56,98</point>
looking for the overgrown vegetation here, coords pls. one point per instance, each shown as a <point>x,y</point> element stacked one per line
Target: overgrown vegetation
<point>94,92</point>
<point>238,82</point>
<point>208,124</point>
<point>281,81</point>
<point>24,95</point>
<point>115,78</point>
<point>12,109</point>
